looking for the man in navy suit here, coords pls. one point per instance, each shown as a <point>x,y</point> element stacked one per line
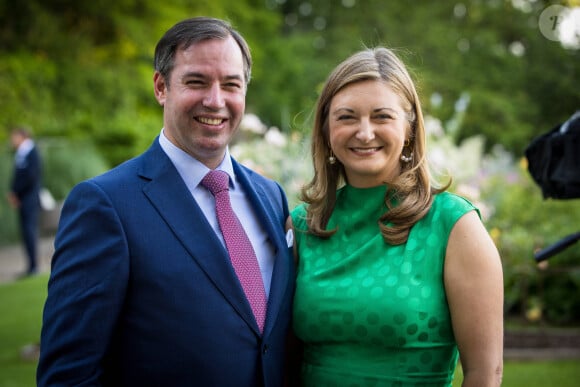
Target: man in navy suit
<point>24,192</point>
<point>142,291</point>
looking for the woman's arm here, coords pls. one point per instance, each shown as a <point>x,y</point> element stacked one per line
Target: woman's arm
<point>474,285</point>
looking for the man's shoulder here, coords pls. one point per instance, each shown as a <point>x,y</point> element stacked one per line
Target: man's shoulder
<point>143,163</point>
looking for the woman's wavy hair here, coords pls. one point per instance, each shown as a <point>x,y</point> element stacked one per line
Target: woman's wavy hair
<point>409,197</point>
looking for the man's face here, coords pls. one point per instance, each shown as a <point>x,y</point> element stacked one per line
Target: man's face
<point>204,98</point>
<point>16,139</point>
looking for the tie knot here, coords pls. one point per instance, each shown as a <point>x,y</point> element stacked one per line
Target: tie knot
<point>216,181</point>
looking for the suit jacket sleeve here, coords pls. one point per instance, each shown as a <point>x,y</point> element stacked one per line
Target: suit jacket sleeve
<point>85,292</point>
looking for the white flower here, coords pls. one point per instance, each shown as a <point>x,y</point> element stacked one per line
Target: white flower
<point>275,137</point>
<point>252,123</point>
<point>433,126</point>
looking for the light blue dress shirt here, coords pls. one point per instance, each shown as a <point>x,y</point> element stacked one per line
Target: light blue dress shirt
<point>23,150</point>
<point>192,172</point>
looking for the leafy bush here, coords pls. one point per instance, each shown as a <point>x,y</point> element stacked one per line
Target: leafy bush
<point>67,163</point>
<point>8,226</point>
<point>522,223</point>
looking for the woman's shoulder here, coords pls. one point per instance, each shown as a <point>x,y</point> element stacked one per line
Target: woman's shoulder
<point>451,201</point>
<point>449,207</point>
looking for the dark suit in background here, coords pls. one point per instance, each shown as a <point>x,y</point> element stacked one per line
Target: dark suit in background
<point>25,191</point>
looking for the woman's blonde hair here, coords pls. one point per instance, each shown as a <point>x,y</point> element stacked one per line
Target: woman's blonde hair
<point>409,196</point>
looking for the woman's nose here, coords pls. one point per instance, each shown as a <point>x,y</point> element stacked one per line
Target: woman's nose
<point>365,131</point>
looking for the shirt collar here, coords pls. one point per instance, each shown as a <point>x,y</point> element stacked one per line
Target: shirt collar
<point>192,170</point>
<point>24,147</point>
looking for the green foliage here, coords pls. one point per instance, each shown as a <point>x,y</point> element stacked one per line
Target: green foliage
<point>27,81</point>
<point>519,220</point>
<point>489,49</point>
<point>66,163</point>
<point>78,69</point>
<point>522,224</point>
<point>9,224</point>
<point>284,95</point>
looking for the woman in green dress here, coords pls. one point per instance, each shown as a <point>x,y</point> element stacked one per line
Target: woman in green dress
<point>397,278</point>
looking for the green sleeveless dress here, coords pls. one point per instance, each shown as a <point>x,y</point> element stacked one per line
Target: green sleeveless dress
<point>370,313</point>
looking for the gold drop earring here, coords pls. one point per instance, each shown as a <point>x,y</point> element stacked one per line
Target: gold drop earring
<point>405,158</point>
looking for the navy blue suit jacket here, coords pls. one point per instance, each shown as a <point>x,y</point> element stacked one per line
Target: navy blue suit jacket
<point>26,180</point>
<point>142,292</point>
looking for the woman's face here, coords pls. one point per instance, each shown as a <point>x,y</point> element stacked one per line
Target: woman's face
<point>367,128</point>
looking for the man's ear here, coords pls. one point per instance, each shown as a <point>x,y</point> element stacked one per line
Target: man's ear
<point>160,87</point>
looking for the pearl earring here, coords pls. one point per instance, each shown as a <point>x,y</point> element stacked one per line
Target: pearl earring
<point>406,159</point>
<point>331,159</point>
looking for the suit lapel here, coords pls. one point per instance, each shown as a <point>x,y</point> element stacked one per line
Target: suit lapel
<point>169,195</point>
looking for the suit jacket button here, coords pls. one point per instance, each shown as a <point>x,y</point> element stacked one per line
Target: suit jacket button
<point>264,349</point>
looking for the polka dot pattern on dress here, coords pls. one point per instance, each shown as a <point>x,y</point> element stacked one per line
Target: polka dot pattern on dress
<point>367,310</point>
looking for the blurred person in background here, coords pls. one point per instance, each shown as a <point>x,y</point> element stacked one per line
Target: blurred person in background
<point>24,193</point>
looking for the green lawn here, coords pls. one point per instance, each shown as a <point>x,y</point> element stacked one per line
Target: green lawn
<point>558,373</point>
<point>20,322</point>
<point>21,315</point>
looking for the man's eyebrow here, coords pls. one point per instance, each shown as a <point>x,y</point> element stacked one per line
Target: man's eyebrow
<point>195,74</point>
<point>234,78</point>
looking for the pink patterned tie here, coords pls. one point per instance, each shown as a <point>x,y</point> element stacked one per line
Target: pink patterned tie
<point>238,245</point>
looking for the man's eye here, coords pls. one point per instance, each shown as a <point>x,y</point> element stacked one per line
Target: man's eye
<point>232,85</point>
<point>193,82</point>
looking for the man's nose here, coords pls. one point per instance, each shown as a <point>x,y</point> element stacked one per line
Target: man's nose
<point>214,98</point>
